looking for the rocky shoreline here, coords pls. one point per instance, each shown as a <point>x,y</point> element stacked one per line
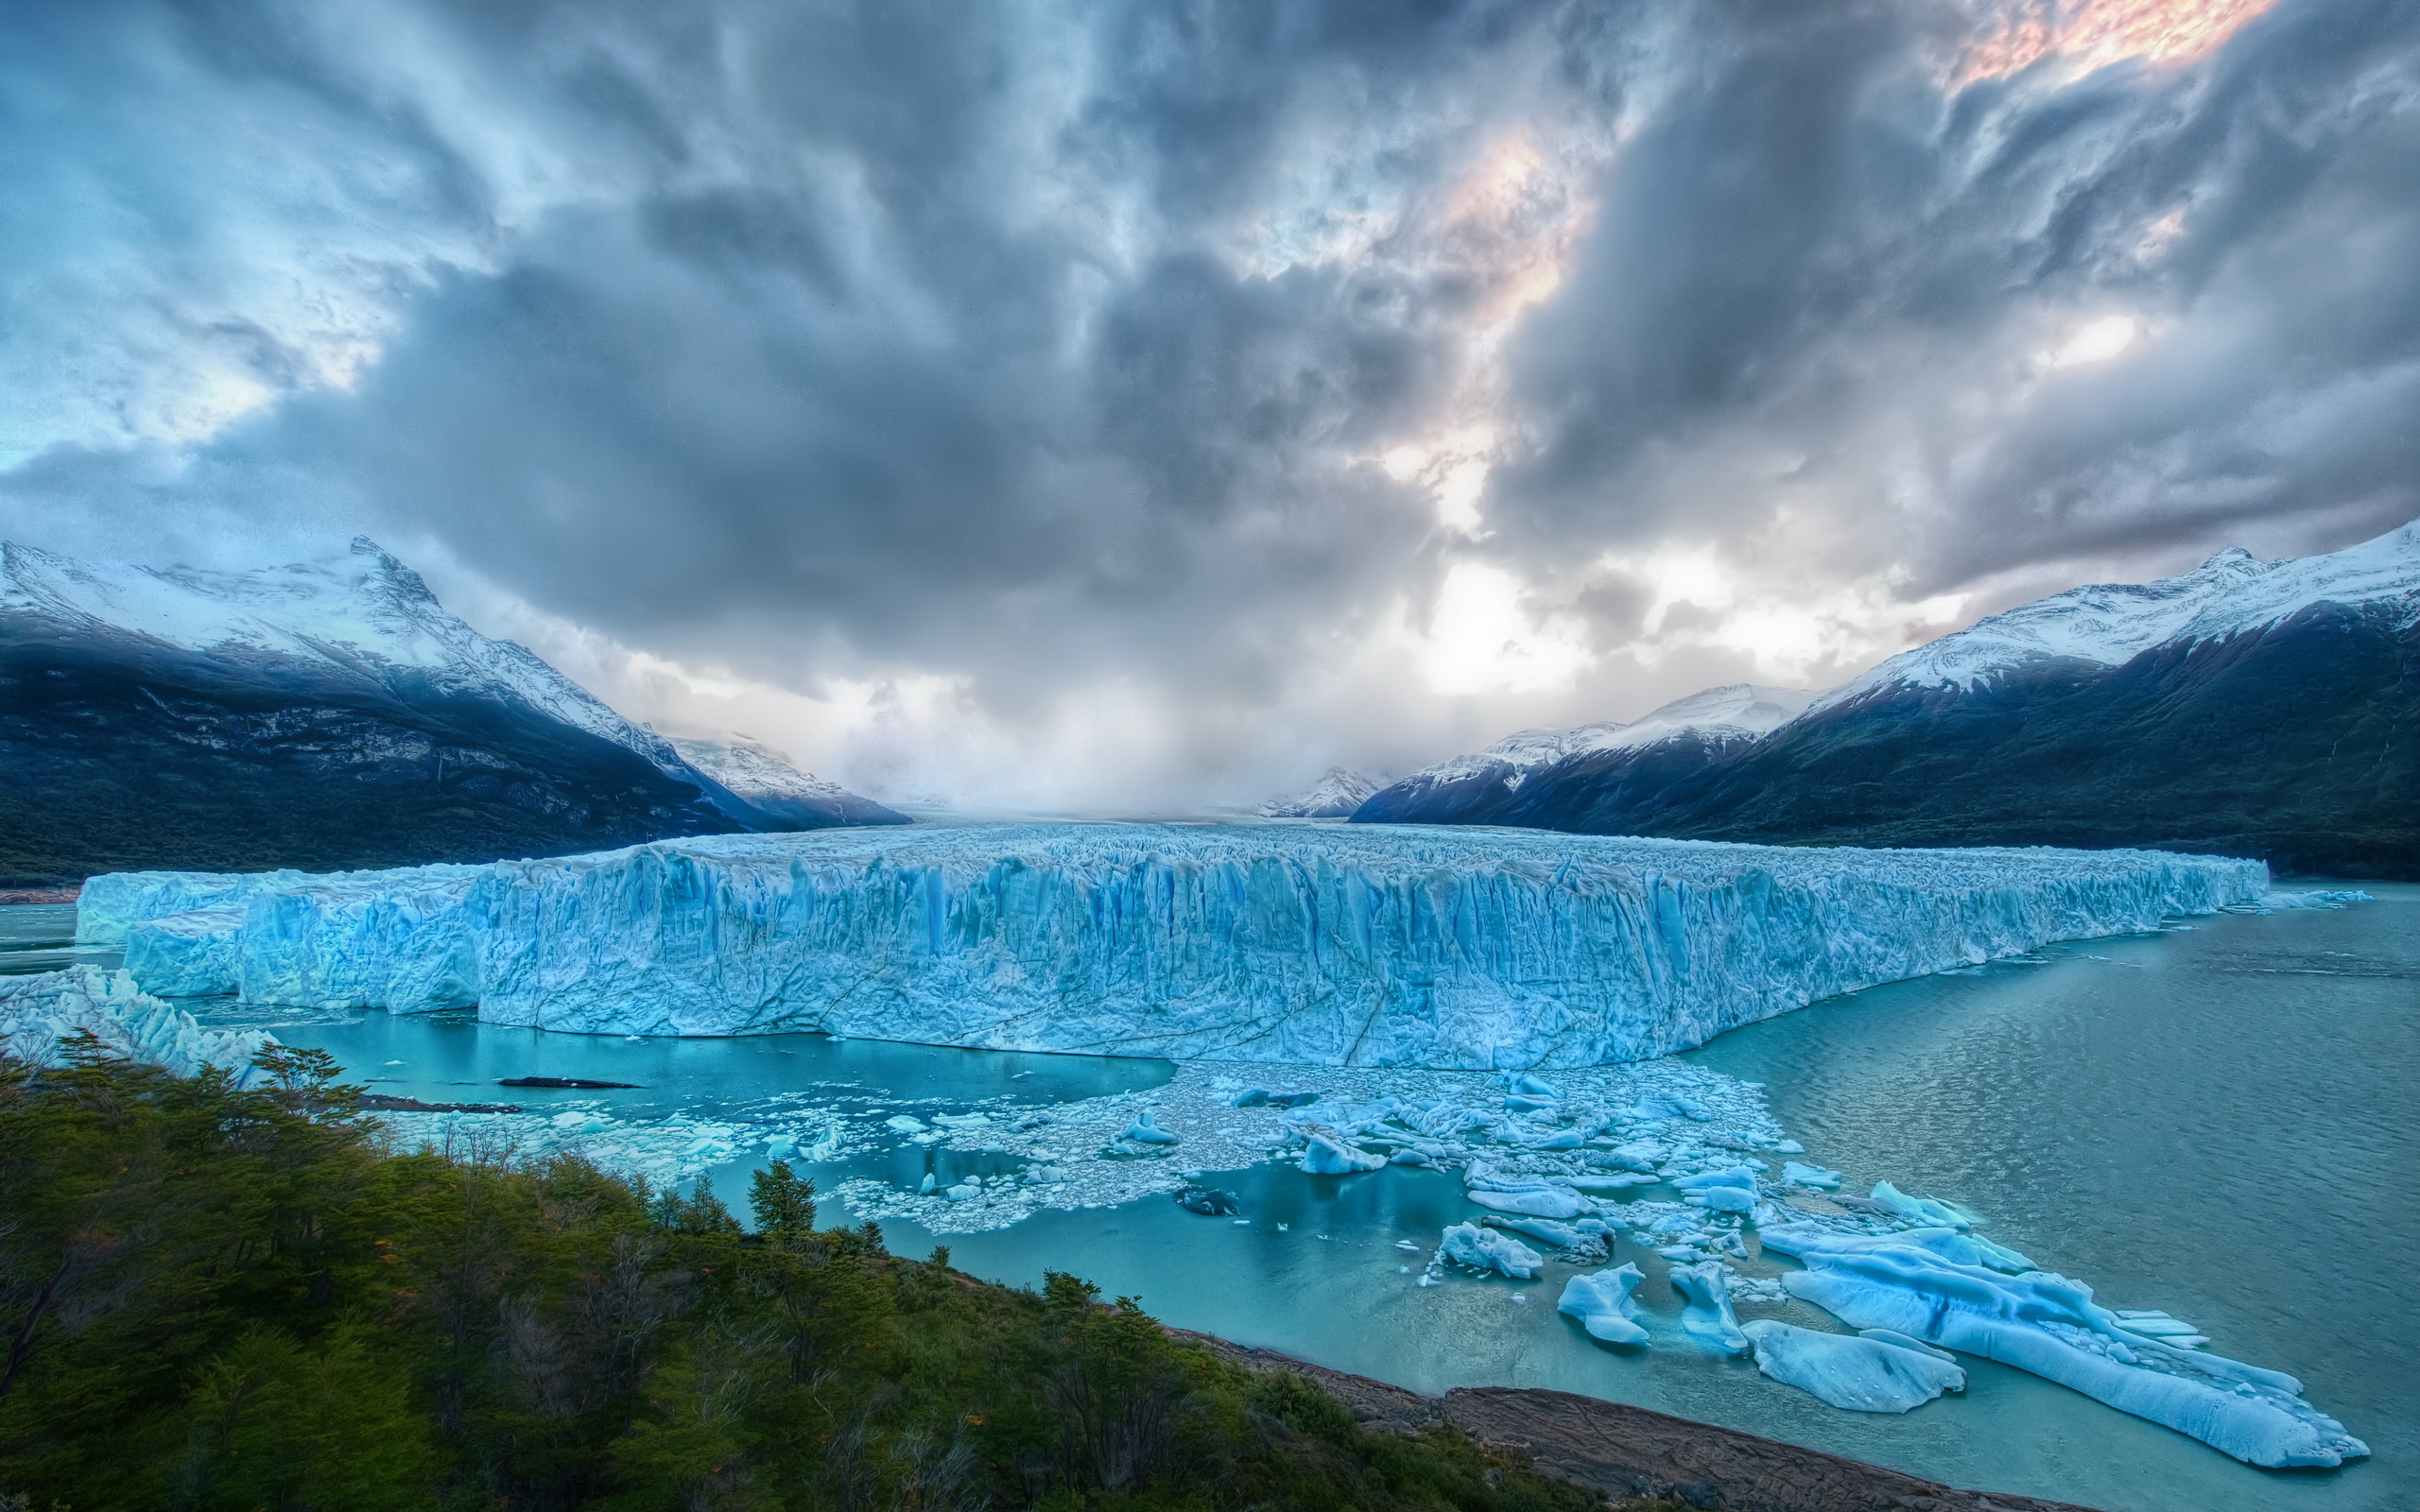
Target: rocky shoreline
<point>1627,1451</point>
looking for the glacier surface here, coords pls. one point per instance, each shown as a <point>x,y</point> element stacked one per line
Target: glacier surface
<point>41,1012</point>
<point>1305,944</point>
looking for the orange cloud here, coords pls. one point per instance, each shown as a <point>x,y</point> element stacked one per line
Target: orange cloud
<point>2017,33</point>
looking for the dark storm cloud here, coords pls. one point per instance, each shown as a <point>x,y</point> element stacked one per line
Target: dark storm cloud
<point>1809,204</point>
<point>1047,343</point>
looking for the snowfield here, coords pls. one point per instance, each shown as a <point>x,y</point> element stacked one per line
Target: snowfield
<point>1308,944</point>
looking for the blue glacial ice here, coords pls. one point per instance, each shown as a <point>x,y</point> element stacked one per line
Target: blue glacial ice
<point>1301,944</point>
<point>1325,1152</point>
<point>39,1013</point>
<point>1877,1371</point>
<point>1467,1244</point>
<point>1602,1303</point>
<point>1933,1286</point>
<point>1705,1312</point>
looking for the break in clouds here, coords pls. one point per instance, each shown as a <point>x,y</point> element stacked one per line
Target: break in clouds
<point>1104,406</point>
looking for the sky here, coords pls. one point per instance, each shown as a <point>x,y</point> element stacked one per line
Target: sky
<point>1097,406</point>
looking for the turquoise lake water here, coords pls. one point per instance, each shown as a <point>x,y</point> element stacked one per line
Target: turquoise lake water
<point>2218,1122</point>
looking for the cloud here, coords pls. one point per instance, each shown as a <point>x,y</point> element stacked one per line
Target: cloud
<point>1146,403</point>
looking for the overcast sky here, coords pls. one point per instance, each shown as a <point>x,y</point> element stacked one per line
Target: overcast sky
<point>1102,406</point>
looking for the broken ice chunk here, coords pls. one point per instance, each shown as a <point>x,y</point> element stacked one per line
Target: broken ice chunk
<point>1326,1153</point>
<point>1603,1305</point>
<point>1708,1315</point>
<point>1923,1209</point>
<point>1877,1371</point>
<point>1915,1283</point>
<point>1811,1176</point>
<point>904,1124</point>
<point>1467,1244</point>
<point>1562,1236</point>
<point>1539,1202</point>
<point>1144,1131</point>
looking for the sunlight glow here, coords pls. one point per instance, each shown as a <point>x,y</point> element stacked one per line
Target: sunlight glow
<point>2093,33</point>
<point>2100,341</point>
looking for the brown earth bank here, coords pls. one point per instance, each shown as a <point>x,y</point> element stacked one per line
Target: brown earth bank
<point>1630,1452</point>
<point>38,895</point>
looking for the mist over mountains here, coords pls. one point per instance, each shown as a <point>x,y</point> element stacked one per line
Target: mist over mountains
<point>2260,709</point>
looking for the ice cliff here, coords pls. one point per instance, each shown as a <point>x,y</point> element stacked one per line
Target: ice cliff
<point>1310,944</point>
<point>39,1013</point>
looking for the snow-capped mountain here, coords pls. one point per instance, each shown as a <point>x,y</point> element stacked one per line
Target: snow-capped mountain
<point>1335,795</point>
<point>363,614</point>
<point>1480,788</point>
<point>2259,708</point>
<point>768,782</point>
<point>323,713</point>
<point>2111,624</point>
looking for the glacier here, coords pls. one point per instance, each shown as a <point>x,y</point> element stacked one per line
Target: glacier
<point>1305,944</point>
<point>39,1013</point>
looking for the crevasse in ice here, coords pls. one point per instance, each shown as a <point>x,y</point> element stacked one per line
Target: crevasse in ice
<point>1304,944</point>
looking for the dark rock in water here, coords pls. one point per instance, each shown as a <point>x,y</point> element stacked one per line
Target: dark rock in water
<point>560,1081</point>
<point>1208,1201</point>
<point>384,1102</point>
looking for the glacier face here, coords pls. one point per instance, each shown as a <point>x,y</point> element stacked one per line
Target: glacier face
<point>1304,944</point>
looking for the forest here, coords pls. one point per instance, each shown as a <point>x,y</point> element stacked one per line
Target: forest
<point>231,1298</point>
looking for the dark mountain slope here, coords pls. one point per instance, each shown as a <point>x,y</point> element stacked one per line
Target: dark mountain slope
<point>2297,741</point>
<point>120,751</point>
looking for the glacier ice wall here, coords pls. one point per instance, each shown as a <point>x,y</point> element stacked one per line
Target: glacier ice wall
<point>39,1012</point>
<point>1318,944</point>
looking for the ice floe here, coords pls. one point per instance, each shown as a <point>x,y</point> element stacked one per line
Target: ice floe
<point>1876,1371</point>
<point>1601,1301</point>
<point>1706,1312</point>
<point>1926,1285</point>
<point>1467,1244</point>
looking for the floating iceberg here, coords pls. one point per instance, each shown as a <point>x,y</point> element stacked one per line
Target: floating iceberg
<point>1309,944</point>
<point>38,1013</point>
<point>1877,1371</point>
<point>1326,1153</point>
<point>1706,1289</point>
<point>1602,1304</point>
<point>1924,1284</point>
<point>1467,1244</point>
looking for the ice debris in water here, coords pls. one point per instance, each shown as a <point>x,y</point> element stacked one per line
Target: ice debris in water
<point>39,1012</point>
<point>1602,1304</point>
<point>1933,1285</point>
<point>1876,1371</point>
<point>2317,898</point>
<point>1303,945</point>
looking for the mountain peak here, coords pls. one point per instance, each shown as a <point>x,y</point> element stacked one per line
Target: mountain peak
<point>2231,592</point>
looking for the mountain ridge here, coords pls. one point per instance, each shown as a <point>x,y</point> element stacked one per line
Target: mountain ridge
<point>2263,708</point>
<point>327,714</point>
